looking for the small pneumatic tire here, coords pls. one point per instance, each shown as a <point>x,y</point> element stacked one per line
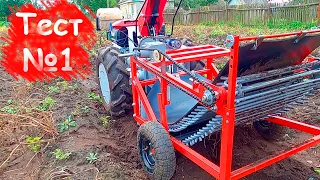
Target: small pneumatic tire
<point>268,130</point>
<point>156,151</point>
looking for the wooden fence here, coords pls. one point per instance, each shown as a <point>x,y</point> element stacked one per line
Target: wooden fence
<point>248,15</point>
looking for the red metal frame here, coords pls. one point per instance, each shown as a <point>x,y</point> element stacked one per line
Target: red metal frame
<point>225,103</point>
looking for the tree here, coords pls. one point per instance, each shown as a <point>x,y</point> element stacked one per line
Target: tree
<point>188,4</point>
<point>94,5</point>
<point>5,11</point>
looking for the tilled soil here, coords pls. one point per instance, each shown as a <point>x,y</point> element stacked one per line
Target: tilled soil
<point>115,143</point>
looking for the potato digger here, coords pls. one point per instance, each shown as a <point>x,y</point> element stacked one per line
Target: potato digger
<point>179,97</point>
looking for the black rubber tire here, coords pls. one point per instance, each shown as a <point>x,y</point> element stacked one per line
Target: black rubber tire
<point>118,76</point>
<point>268,130</point>
<point>164,155</point>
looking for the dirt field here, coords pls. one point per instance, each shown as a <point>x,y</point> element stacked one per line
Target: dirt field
<point>114,140</point>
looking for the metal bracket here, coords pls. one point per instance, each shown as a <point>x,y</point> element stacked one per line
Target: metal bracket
<point>257,42</point>
<point>304,33</point>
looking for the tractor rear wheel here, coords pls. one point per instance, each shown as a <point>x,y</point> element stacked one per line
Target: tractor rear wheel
<point>156,151</point>
<point>268,130</point>
<point>113,81</point>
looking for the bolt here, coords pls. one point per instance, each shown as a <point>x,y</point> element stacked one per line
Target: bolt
<point>133,104</point>
<point>227,114</point>
<point>134,115</point>
<point>227,121</point>
<point>204,98</point>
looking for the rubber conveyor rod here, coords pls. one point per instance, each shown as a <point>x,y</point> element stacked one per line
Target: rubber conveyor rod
<point>303,84</point>
<point>269,88</point>
<point>277,81</point>
<point>269,101</point>
<point>269,110</point>
<point>278,93</point>
<point>272,73</point>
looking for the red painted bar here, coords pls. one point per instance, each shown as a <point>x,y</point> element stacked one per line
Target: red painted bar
<point>189,49</point>
<point>198,57</point>
<point>295,125</point>
<point>228,118</point>
<point>140,120</point>
<point>144,99</point>
<point>195,52</point>
<point>197,158</point>
<point>202,56</point>
<point>254,167</point>
<point>135,97</point>
<point>279,35</point>
<point>225,102</point>
<point>172,78</point>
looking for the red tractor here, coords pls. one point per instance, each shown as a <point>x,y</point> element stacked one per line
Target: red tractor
<point>179,97</point>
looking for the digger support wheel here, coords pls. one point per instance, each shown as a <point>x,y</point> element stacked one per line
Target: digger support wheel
<point>268,130</point>
<point>156,151</point>
<point>113,81</point>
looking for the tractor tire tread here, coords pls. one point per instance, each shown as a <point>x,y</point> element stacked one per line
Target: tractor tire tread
<point>117,81</point>
<point>126,89</point>
<point>123,69</point>
<point>121,95</point>
<point>274,132</point>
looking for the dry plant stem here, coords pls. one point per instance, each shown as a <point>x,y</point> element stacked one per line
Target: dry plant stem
<point>37,122</point>
<point>96,177</point>
<point>58,174</point>
<point>10,155</point>
<point>10,171</point>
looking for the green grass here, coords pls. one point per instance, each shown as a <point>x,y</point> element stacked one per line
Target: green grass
<point>4,23</point>
<point>60,155</point>
<point>94,97</point>
<point>34,143</point>
<point>291,25</point>
<point>105,120</point>
<point>282,24</point>
<point>92,157</point>
<point>66,124</point>
<point>47,104</point>
<point>3,26</point>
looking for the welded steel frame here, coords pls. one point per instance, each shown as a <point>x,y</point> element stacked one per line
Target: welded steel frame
<point>226,108</point>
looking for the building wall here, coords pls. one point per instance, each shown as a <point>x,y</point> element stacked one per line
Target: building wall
<point>130,9</point>
<point>170,4</point>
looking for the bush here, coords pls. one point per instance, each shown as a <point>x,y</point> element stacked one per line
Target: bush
<point>4,23</point>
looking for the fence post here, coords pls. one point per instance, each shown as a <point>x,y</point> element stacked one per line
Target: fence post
<point>198,16</point>
<point>269,14</point>
<point>227,13</point>
<point>319,13</point>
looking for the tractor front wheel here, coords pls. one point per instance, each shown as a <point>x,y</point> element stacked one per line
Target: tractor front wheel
<point>113,80</point>
<point>156,151</point>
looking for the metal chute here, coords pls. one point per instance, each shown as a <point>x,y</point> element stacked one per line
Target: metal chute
<point>272,54</point>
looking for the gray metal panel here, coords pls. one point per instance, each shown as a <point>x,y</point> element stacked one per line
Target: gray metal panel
<point>180,103</point>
